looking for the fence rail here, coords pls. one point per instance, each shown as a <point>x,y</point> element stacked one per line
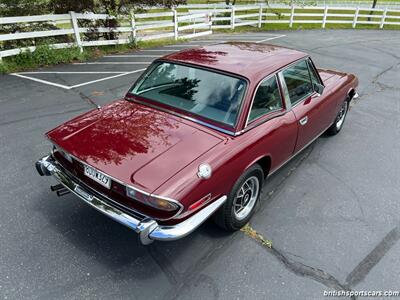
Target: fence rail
<point>191,21</point>
<point>139,27</point>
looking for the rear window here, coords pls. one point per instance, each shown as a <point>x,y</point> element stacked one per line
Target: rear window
<point>209,94</point>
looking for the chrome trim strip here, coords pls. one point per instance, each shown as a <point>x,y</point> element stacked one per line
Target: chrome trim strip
<point>148,229</point>
<point>285,91</point>
<point>254,95</point>
<point>182,229</point>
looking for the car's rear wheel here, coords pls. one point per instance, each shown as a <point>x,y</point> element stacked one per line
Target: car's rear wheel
<point>339,120</point>
<point>242,200</point>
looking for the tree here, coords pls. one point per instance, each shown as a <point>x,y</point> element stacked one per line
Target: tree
<point>228,2</point>
<point>110,7</point>
<point>12,8</point>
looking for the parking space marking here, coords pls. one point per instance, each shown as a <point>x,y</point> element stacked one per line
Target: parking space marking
<point>66,87</point>
<point>41,81</point>
<point>106,78</point>
<point>182,45</point>
<point>115,63</point>
<point>142,53</point>
<point>67,72</point>
<point>240,37</point>
<point>162,50</point>
<point>133,55</point>
<point>271,38</point>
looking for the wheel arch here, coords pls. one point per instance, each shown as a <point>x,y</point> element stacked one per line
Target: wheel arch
<point>350,94</point>
<point>265,163</point>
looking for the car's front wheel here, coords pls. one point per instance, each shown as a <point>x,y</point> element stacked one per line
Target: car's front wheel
<point>242,200</point>
<point>339,120</point>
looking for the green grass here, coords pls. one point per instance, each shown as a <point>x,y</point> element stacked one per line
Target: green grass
<point>46,56</point>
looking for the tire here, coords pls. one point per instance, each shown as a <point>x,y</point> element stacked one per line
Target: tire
<point>339,119</point>
<point>246,191</point>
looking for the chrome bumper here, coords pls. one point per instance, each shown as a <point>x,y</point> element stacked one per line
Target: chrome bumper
<point>148,229</point>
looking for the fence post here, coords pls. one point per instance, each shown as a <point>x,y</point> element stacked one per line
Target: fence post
<point>133,27</point>
<point>383,18</point>
<point>325,16</point>
<point>75,26</point>
<point>291,17</point>
<point>175,23</point>
<point>210,20</point>
<point>232,17</point>
<point>260,11</point>
<point>356,17</point>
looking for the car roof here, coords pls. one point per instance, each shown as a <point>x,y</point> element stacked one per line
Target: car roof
<point>251,60</point>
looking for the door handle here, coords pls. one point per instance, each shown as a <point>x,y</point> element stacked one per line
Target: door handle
<point>303,121</point>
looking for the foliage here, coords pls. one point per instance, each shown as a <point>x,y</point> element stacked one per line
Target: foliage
<point>11,8</point>
<point>45,55</point>
<point>42,56</point>
<point>113,7</point>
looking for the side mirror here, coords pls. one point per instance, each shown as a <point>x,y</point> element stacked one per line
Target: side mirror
<point>318,88</point>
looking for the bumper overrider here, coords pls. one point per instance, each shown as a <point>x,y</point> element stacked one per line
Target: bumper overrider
<point>147,229</point>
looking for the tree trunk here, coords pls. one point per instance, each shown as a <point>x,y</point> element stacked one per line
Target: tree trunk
<point>371,12</point>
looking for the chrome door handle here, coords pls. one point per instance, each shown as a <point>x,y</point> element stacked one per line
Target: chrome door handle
<point>303,121</point>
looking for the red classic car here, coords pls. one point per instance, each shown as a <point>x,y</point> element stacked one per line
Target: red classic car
<point>196,136</point>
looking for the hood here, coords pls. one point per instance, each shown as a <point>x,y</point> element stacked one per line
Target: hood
<point>133,143</point>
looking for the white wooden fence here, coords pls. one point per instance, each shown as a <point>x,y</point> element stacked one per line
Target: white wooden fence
<point>193,21</point>
<point>142,27</point>
<point>257,15</point>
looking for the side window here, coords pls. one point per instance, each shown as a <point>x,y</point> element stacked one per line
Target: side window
<point>267,99</point>
<point>298,81</point>
<point>314,76</point>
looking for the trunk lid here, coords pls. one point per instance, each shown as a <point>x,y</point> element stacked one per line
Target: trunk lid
<point>133,143</point>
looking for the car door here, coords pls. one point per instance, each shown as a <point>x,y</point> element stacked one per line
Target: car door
<point>276,127</point>
<point>305,103</point>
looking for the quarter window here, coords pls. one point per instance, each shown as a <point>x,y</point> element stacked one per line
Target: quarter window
<point>314,76</point>
<point>266,99</point>
<point>298,81</point>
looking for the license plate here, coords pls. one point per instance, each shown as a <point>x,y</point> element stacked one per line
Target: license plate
<point>97,176</point>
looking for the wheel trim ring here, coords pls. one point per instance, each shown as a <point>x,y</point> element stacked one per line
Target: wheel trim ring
<point>241,210</point>
<point>341,116</point>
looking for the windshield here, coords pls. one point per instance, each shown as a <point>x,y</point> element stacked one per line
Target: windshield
<point>205,93</point>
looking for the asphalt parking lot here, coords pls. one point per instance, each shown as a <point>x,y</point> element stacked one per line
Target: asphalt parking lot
<point>333,213</point>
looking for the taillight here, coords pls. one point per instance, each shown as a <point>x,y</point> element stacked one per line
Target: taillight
<point>154,201</point>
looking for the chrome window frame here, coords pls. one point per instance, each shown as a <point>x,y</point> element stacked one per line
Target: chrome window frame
<point>311,67</point>
<point>150,68</point>
<point>254,96</point>
<point>286,90</point>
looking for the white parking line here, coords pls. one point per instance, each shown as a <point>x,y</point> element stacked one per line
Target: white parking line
<point>182,45</point>
<point>66,87</point>
<point>83,72</point>
<point>163,50</point>
<point>115,63</point>
<point>194,43</point>
<point>42,81</point>
<point>106,78</point>
<point>271,38</point>
<point>133,55</point>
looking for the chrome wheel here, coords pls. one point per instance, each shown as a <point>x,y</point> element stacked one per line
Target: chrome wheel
<point>246,198</point>
<point>342,115</point>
